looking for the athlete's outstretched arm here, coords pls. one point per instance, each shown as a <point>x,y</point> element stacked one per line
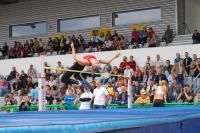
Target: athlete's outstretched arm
<point>78,60</point>
<point>110,60</point>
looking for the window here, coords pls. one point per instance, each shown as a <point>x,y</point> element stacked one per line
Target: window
<point>137,17</point>
<point>78,23</point>
<point>28,29</point>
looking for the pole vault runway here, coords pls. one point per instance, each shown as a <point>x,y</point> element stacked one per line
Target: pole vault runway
<point>179,119</point>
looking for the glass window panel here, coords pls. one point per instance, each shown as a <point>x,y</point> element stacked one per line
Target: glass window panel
<point>137,17</point>
<point>79,23</point>
<point>29,29</point>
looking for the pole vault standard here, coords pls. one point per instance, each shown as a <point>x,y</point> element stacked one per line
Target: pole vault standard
<point>130,93</point>
<point>42,93</point>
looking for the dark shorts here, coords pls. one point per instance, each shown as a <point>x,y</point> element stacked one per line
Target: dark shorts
<point>158,103</point>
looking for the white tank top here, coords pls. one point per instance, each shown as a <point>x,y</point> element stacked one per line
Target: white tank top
<point>160,91</point>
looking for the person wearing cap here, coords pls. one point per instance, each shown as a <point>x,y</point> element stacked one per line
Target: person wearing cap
<point>143,98</point>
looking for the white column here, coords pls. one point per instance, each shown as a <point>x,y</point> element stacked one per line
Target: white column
<point>42,95</point>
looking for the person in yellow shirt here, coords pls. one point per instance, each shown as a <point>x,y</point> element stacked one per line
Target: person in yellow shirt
<point>111,91</point>
<point>143,98</point>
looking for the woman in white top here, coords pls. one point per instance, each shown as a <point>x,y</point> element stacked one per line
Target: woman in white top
<point>160,94</point>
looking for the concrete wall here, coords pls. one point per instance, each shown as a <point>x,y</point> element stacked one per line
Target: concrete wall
<point>67,60</point>
<point>51,10</point>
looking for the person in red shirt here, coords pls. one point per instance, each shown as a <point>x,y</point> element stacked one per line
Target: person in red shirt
<point>132,63</point>
<point>123,64</point>
<point>135,37</point>
<point>152,38</point>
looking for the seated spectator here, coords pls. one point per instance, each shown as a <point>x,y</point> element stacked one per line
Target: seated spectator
<point>12,74</point>
<point>168,35</point>
<point>115,42</point>
<point>107,46</point>
<point>174,91</point>
<point>143,98</point>
<point>160,76</point>
<point>114,71</point>
<point>196,75</point>
<point>196,37</point>
<point>122,43</point>
<point>137,76</point>
<point>25,104</point>
<point>151,89</point>
<point>143,35</point>
<point>135,36</point>
<point>111,91</point>
<point>101,39</point>
<point>115,34</point>
<point>152,38</point>
<point>150,76</point>
<point>105,76</point>
<point>3,87</point>
<point>69,99</point>
<point>55,92</point>
<point>122,97</point>
<point>136,89</point>
<point>34,94</point>
<point>186,94</point>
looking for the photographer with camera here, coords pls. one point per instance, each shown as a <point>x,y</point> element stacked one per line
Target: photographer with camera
<point>186,94</point>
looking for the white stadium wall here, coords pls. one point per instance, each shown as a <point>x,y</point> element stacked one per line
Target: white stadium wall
<point>51,10</point>
<point>139,55</point>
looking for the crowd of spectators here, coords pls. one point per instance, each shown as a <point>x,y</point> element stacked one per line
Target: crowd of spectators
<point>157,82</point>
<point>96,43</point>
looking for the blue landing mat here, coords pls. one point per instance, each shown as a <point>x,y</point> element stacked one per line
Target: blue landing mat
<point>180,119</point>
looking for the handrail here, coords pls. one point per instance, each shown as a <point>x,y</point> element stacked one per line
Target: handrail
<point>15,108</point>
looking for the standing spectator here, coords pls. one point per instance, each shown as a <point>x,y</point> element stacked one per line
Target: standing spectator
<point>152,38</point>
<point>48,92</point>
<point>93,39</point>
<point>132,63</point>
<point>123,64</point>
<point>160,95</point>
<point>187,62</point>
<point>186,94</point>
<point>196,37</point>
<point>81,43</point>
<point>111,91</point>
<point>168,36</point>
<point>115,35</point>
<point>159,62</point>
<point>23,77</point>
<point>194,59</point>
<point>150,76</point>
<point>32,72</point>
<point>178,58</point>
<point>5,49</point>
<point>179,73</point>
<point>151,89</point>
<point>168,68</point>
<point>196,76</point>
<point>58,71</point>
<point>128,72</point>
<point>101,96</point>
<point>149,61</point>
